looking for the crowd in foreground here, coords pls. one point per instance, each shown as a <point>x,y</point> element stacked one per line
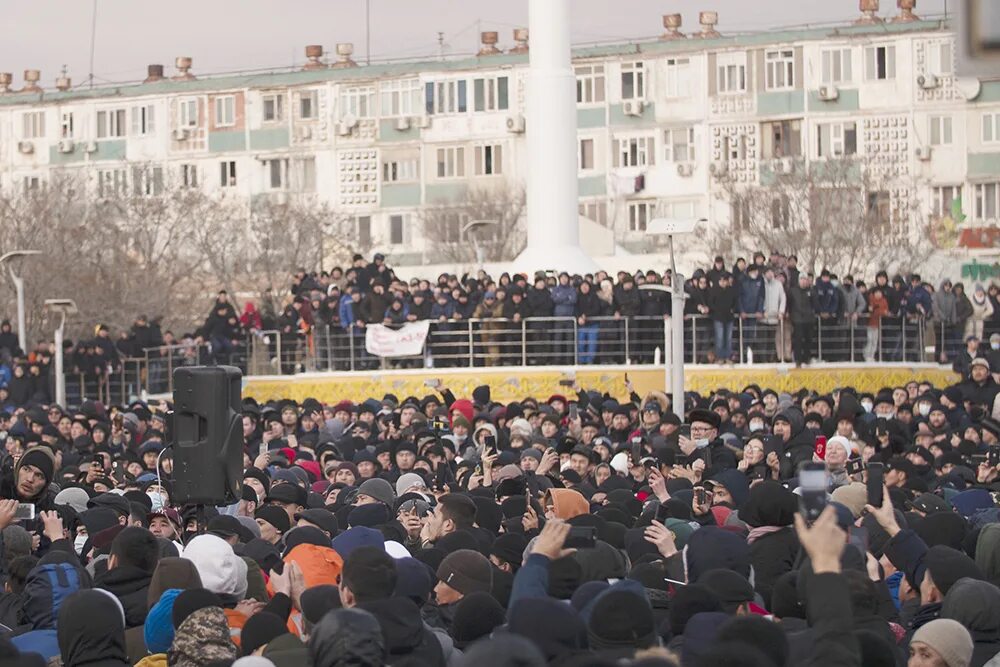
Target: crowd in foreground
<point>570,530</point>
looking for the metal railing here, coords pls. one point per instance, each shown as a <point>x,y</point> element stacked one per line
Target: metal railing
<point>541,341</point>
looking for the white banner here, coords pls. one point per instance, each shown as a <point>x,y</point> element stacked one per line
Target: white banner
<point>382,341</point>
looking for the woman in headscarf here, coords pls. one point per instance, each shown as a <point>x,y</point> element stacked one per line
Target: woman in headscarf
<point>91,630</point>
<point>774,547</point>
<point>982,310</point>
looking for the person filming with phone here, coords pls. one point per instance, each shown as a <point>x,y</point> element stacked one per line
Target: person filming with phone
<point>30,478</point>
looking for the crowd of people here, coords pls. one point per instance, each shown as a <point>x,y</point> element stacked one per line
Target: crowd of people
<point>578,529</point>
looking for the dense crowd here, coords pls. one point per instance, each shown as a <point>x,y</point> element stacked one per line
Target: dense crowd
<point>567,530</point>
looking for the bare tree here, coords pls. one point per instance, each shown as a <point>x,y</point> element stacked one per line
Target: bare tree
<point>501,241</point>
<point>846,214</point>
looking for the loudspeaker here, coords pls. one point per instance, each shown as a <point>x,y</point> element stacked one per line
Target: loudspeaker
<point>208,435</point>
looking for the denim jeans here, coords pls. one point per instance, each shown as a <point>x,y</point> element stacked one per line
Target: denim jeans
<point>586,342</point>
<point>723,340</point>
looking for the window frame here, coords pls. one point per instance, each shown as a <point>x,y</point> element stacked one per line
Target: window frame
<point>487,159</point>
<point>33,125</point>
<point>872,65</point>
<point>446,97</point>
<point>401,170</point>
<point>228,174</point>
<point>991,120</point>
<point>677,78</point>
<point>277,104</point>
<point>636,72</point>
<point>845,128</point>
<point>644,151</point>
<point>401,98</point>
<point>591,84</point>
<point>833,59</point>
<point>219,110</point>
<point>670,144</point>
<point>454,157</point>
<point>581,154</point>
<point>143,117</point>
<point>491,94</point>
<point>779,69</point>
<point>737,61</point>
<point>632,217</point>
<point>985,195</point>
<point>113,126</point>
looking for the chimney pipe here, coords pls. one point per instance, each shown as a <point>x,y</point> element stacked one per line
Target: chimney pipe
<point>521,39</point>
<point>183,64</point>
<point>154,73</point>
<point>63,82</point>
<point>672,22</point>
<point>6,79</point>
<point>31,79</point>
<point>869,12</point>
<point>708,21</point>
<point>906,14</point>
<point>314,53</point>
<point>489,40</point>
<point>344,52</point>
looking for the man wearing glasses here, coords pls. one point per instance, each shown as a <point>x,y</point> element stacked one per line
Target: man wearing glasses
<point>704,443</point>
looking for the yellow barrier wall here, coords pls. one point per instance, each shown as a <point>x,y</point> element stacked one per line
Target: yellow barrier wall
<point>517,383</point>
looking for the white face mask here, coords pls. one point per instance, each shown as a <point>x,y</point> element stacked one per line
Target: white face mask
<point>701,443</point>
<point>78,544</point>
<point>924,409</point>
<point>756,426</point>
<point>867,405</point>
<point>995,346</point>
<point>156,499</point>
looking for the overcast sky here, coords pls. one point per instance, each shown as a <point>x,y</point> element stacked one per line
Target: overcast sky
<point>227,35</point>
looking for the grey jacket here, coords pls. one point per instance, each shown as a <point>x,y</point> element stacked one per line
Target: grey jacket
<point>943,306</point>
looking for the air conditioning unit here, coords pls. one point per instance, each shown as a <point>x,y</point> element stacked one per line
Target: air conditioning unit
<point>783,166</point>
<point>344,129</point>
<point>424,122</point>
<point>90,147</point>
<point>66,146</point>
<point>26,147</point>
<point>685,169</point>
<point>828,93</point>
<point>928,81</point>
<point>305,133</point>
<point>515,124</point>
<point>719,168</point>
<point>924,153</point>
<point>632,107</point>
<point>402,124</point>
<point>180,134</point>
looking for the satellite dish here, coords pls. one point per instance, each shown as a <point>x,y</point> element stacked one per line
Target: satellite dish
<point>969,86</point>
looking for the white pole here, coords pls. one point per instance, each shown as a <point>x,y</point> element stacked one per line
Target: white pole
<point>60,377</point>
<point>552,191</point>
<point>677,298</point>
<point>22,335</point>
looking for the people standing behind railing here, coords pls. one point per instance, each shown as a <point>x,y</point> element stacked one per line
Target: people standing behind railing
<point>775,305</point>
<point>826,298</point>
<point>696,306</point>
<point>564,297</point>
<point>853,305</point>
<point>722,309</point>
<point>802,313</point>
<point>588,305</point>
<point>982,310</point>
<point>944,315</point>
<point>540,304</point>
<point>751,290</point>
<point>515,311</point>
<point>654,306</point>
<point>878,308</point>
<point>491,332</point>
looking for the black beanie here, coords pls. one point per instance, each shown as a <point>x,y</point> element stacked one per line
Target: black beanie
<point>733,654</point>
<point>764,635</point>
<point>875,650</point>
<point>261,629</point>
<point>41,458</point>
<point>510,548</point>
<point>476,616</point>
<point>318,600</point>
<point>275,516</point>
<point>947,566</point>
<point>621,618</point>
<point>688,601</point>
<point>191,601</point>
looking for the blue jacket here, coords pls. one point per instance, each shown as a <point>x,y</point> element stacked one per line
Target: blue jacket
<point>531,581</point>
<point>918,296</point>
<point>564,297</point>
<point>827,298</point>
<point>447,310</point>
<point>46,588</point>
<point>346,311</point>
<point>751,295</point>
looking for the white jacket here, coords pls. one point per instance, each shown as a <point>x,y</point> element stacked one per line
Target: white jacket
<point>774,301</point>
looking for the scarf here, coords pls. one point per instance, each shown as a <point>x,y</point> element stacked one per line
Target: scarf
<point>761,531</point>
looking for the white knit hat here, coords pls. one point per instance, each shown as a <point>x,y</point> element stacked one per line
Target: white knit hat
<point>949,638</point>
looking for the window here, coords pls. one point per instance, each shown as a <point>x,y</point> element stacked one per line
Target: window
<point>679,209</point>
<point>111,123</point>
<point>275,173</point>
<point>782,139</point>
<point>780,212</point>
<point>837,140</point>
<point>227,173</point>
<point>225,111</point>
<point>188,113</point>
<point>364,230</point>
<point>596,211</point>
<point>66,125</point>
<point>779,69</point>
<point>490,94</point>
<point>987,202</point>
<point>837,66</point>
<point>942,197</point>
<point>941,131</point>
<point>634,152</point>
<point>991,127</point>
<point>739,213</point>
<point>305,174</point>
<point>939,59</point>
<point>396,229</point>
<point>878,208</point>
<point>307,104</point>
<point>880,63</point>
<point>489,160</point>
<point>633,81</point>
<point>33,125</point>
<point>451,162</point>
<point>189,175</point>
<point>678,78</point>
<point>32,184</point>
<point>401,97</point>
<point>585,155</point>
<point>273,108</point>
<point>147,181</point>
<point>639,214</point>
<point>678,144</point>
<point>731,73</point>
<point>446,97</point>
<point>399,171</point>
<point>143,120</point>
<point>111,182</point>
<point>590,84</point>
<point>358,102</point>
<point>448,225</point>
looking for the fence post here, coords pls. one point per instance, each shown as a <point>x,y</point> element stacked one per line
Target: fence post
<point>850,333</point>
<point>524,343</point>
<point>576,350</point>
<point>350,340</point>
<point>626,340</point>
<point>472,346</point>
<point>902,320</point>
<point>819,338</point>
<point>740,336</point>
<point>694,339</point>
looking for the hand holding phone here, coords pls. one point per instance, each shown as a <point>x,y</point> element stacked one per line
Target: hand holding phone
<point>875,483</point>
<point>813,485</point>
<point>819,448</point>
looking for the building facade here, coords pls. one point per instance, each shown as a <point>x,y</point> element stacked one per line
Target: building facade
<point>661,123</point>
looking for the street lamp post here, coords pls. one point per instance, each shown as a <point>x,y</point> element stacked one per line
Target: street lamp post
<point>22,334</point>
<point>674,329</point>
<point>64,307</point>
<point>473,225</point>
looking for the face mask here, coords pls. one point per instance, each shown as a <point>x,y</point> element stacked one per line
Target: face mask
<point>924,409</point>
<point>156,499</point>
<point>78,544</point>
<point>867,405</point>
<point>756,426</point>
<point>888,415</point>
<point>995,346</point>
<point>835,283</point>
<point>701,443</point>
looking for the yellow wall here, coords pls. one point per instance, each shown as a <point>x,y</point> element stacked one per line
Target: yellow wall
<point>516,384</point>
